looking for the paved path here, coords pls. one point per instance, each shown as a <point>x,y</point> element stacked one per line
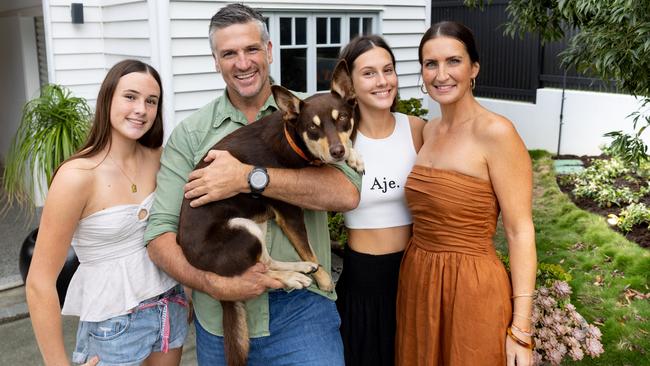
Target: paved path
<point>18,345</point>
<point>15,225</point>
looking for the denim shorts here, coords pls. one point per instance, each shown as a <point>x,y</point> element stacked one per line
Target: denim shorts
<point>304,329</point>
<point>155,325</point>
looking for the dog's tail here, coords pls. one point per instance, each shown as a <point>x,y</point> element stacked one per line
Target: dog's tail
<point>235,333</point>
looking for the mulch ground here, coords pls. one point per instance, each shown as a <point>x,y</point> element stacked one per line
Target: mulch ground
<point>639,233</point>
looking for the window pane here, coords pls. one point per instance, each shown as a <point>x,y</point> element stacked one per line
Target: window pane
<point>367,25</point>
<point>326,58</point>
<point>354,27</point>
<point>321,30</point>
<point>335,30</point>
<point>294,69</point>
<point>301,30</point>
<point>285,31</point>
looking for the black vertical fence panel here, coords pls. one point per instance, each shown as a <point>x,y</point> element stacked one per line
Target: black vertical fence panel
<point>552,71</point>
<point>511,68</point>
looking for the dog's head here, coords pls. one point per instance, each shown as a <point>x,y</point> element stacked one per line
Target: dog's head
<point>324,121</point>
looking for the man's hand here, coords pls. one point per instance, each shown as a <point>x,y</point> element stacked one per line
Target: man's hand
<point>223,178</point>
<point>248,285</point>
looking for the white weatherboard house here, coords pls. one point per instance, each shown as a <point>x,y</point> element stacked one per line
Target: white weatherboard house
<point>41,43</point>
<point>172,36</point>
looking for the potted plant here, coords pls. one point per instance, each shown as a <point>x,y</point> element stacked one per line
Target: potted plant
<point>53,126</point>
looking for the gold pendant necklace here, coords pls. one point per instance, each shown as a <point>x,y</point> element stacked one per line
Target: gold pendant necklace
<point>134,187</point>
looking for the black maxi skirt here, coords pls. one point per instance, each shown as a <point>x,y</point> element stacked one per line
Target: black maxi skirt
<point>367,293</point>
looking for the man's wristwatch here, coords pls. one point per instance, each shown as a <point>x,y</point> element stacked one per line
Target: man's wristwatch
<point>258,179</point>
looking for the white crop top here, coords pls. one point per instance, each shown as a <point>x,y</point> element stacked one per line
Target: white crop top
<point>388,162</point>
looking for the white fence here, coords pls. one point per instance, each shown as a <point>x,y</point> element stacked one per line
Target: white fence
<point>587,116</point>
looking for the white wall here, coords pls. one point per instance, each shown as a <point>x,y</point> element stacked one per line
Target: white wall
<point>195,82</point>
<point>586,117</point>
<point>81,54</point>
<point>75,51</point>
<point>18,74</point>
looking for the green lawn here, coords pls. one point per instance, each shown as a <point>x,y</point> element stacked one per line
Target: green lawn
<point>603,265</point>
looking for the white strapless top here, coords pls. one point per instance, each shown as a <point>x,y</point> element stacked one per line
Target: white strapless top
<point>115,273</point>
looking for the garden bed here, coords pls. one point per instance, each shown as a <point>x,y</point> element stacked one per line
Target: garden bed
<point>638,233</point>
<point>610,283</point>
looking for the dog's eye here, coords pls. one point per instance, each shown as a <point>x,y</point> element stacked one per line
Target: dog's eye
<point>343,116</point>
<point>312,127</point>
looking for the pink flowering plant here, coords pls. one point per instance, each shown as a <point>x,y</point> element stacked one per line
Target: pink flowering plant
<point>559,331</point>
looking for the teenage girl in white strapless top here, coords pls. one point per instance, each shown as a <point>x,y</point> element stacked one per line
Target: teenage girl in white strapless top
<point>130,311</point>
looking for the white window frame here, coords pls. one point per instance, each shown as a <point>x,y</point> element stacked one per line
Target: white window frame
<point>274,30</point>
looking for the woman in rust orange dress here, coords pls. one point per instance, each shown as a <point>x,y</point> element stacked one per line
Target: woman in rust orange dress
<point>456,303</point>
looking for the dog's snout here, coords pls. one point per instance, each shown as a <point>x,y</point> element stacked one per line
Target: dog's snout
<point>337,151</point>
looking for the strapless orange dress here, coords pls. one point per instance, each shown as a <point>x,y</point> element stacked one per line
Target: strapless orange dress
<point>453,303</point>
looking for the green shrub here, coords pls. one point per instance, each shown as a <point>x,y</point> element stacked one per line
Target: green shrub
<point>538,154</point>
<point>412,106</point>
<point>337,229</point>
<point>632,215</point>
<point>547,273</point>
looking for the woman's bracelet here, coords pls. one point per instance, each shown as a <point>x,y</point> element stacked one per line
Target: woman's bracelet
<point>519,341</point>
<point>528,334</point>
<point>522,295</point>
<point>522,316</point>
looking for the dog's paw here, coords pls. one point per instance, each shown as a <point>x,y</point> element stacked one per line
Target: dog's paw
<point>296,281</point>
<point>324,280</point>
<point>355,162</point>
<point>306,267</point>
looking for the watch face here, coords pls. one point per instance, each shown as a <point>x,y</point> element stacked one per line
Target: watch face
<point>259,179</point>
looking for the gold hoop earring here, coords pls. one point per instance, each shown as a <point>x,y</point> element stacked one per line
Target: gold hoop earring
<point>423,89</point>
<point>472,83</point>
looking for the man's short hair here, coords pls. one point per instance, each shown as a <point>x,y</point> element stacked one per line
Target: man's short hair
<point>237,14</point>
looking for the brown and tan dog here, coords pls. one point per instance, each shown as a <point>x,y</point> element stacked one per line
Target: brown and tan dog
<point>227,236</point>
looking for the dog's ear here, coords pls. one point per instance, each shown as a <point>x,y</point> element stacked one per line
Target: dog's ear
<point>342,82</point>
<point>287,102</point>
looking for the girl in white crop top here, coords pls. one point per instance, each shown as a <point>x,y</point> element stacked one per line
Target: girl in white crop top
<point>99,202</point>
<point>380,227</point>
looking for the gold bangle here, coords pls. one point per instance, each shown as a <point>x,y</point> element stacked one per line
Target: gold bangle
<point>522,295</point>
<point>520,342</point>
<point>526,333</point>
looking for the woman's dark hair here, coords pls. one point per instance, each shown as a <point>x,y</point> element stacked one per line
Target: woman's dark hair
<point>357,47</point>
<point>100,132</point>
<point>454,30</point>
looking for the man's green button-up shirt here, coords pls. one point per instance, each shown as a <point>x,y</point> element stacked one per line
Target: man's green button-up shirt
<point>188,143</point>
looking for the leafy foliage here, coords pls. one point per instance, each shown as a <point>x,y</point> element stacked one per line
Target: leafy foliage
<point>412,106</point>
<point>337,229</point>
<point>53,126</point>
<point>630,148</point>
<point>634,214</point>
<point>600,182</point>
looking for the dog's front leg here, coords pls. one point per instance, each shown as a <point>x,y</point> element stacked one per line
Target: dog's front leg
<point>290,219</point>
